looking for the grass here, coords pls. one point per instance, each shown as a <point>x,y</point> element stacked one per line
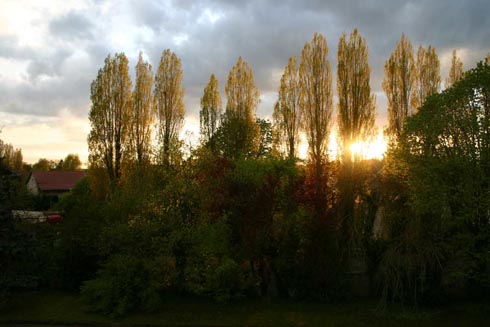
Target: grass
<point>60,308</point>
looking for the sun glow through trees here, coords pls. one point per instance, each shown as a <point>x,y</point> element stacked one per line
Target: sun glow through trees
<point>372,149</point>
<point>365,150</point>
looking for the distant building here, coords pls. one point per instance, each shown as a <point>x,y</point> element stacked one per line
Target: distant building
<point>53,183</point>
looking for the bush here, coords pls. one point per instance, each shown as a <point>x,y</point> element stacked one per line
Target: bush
<point>228,281</point>
<point>124,284</point>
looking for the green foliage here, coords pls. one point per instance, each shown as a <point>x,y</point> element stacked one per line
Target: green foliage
<point>442,161</point>
<point>209,246</point>
<point>44,164</point>
<point>72,162</point>
<point>78,236</point>
<point>265,145</point>
<point>236,137</point>
<point>16,247</point>
<point>125,283</point>
<point>238,222</point>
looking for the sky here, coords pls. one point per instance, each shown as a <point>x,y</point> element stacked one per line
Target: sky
<point>50,51</point>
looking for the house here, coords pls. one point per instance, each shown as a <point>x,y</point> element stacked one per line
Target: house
<point>53,183</point>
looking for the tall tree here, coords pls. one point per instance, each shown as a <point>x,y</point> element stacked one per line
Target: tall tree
<point>7,153</point>
<point>210,112</point>
<point>143,112</point>
<point>356,111</point>
<point>11,157</point>
<point>397,84</point>
<point>17,162</point>
<point>72,162</point>
<point>456,70</point>
<point>240,128</point>
<point>316,94</point>
<point>109,141</point>
<point>287,117</point>
<point>357,105</point>
<point>427,76</point>
<point>169,103</point>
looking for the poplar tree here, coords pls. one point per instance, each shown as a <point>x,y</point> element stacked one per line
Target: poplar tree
<point>210,112</point>
<point>427,76</point>
<point>240,131</point>
<point>109,138</point>
<point>456,70</point>
<point>169,104</point>
<point>356,111</point>
<point>316,93</point>
<point>315,80</point>
<point>143,114</point>
<point>397,84</point>
<point>357,106</point>
<point>286,116</point>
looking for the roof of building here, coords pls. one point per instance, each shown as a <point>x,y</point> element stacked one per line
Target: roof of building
<point>57,180</point>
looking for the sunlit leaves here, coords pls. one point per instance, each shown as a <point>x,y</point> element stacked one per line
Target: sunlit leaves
<point>143,114</point>
<point>210,113</point>
<point>427,78</point>
<point>456,70</point>
<point>397,84</point>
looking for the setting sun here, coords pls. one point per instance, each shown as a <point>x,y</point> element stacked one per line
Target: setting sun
<point>373,149</point>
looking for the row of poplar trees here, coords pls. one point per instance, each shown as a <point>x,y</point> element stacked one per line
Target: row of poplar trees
<point>123,118</point>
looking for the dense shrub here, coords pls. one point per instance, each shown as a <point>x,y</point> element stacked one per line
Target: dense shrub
<point>125,283</point>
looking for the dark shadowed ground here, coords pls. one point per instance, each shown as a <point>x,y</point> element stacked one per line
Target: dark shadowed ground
<point>43,309</point>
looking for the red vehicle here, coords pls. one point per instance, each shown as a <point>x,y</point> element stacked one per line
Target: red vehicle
<point>53,216</point>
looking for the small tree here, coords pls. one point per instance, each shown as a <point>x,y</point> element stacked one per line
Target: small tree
<point>210,113</point>
<point>71,163</point>
<point>43,164</point>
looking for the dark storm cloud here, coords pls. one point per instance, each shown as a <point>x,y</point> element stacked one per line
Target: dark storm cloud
<point>264,33</point>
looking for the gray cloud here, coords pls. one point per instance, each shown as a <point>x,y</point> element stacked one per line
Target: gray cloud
<point>72,26</point>
<point>264,33</point>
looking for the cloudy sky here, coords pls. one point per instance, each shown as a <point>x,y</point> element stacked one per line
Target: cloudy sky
<point>50,51</point>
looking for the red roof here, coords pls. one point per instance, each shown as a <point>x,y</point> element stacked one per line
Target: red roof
<point>57,180</point>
